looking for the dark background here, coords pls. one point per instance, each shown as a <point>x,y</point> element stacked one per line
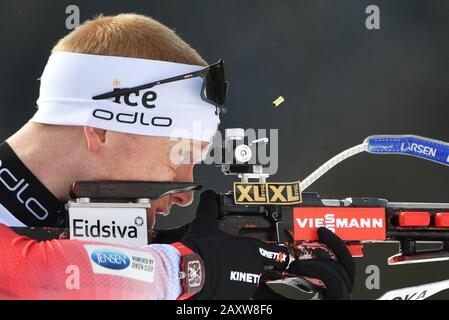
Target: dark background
<point>341,83</point>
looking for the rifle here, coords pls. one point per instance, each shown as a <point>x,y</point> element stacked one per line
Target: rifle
<point>281,213</point>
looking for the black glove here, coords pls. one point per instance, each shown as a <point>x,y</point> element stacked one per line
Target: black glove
<point>232,264</point>
<point>337,275</point>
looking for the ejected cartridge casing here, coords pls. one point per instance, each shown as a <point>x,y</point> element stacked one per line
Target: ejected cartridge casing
<point>278,101</point>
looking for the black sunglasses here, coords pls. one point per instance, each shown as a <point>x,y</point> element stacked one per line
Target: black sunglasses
<point>214,89</point>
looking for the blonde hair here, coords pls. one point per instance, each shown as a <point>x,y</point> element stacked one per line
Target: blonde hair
<point>129,35</point>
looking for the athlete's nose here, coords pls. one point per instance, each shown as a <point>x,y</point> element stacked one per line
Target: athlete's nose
<point>183,199</point>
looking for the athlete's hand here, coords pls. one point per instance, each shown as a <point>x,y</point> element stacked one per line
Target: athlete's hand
<point>337,273</point>
<point>232,264</point>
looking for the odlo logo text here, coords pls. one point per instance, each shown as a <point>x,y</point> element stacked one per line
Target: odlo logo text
<point>19,187</point>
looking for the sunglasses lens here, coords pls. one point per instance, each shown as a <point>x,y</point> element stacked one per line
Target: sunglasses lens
<point>215,87</point>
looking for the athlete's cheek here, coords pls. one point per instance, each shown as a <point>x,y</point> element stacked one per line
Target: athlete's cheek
<point>185,173</point>
<point>156,173</point>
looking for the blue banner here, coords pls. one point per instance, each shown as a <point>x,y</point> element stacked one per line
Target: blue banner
<point>424,148</point>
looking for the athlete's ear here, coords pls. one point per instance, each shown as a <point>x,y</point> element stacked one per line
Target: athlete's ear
<point>95,138</point>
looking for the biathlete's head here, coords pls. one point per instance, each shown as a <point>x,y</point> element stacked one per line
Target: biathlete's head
<point>95,123</point>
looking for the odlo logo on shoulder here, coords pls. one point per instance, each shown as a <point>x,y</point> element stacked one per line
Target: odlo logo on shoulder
<point>111,259</point>
<point>19,188</point>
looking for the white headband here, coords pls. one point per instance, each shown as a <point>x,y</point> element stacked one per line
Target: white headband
<point>175,109</point>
